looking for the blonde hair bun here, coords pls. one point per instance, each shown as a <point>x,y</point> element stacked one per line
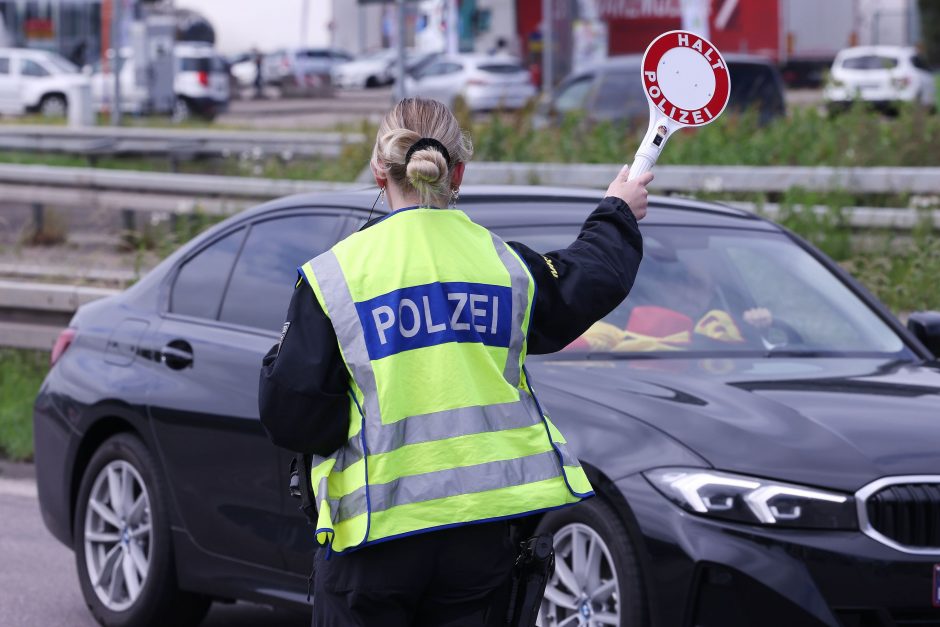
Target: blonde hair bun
<point>427,171</point>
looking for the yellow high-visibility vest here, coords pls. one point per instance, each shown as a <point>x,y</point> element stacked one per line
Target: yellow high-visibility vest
<point>431,312</point>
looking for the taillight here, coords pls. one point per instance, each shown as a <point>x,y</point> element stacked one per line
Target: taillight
<point>61,344</point>
<point>204,79</point>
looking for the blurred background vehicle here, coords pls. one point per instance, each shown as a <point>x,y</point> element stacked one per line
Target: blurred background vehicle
<point>36,81</point>
<point>484,82</point>
<point>243,69</point>
<point>610,91</point>
<point>200,83</point>
<point>370,70</point>
<point>882,76</point>
<point>301,66</point>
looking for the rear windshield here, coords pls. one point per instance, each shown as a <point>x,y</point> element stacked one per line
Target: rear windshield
<point>502,68</point>
<point>197,64</point>
<point>753,84</point>
<point>870,62</point>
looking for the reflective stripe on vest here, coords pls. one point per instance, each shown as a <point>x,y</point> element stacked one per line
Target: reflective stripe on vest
<point>431,313</point>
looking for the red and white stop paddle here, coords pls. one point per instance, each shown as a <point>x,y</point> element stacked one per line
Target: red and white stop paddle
<point>686,83</point>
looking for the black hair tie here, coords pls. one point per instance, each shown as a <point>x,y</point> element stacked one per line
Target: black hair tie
<point>427,142</point>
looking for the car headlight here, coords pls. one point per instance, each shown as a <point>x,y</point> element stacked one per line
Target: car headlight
<point>751,500</point>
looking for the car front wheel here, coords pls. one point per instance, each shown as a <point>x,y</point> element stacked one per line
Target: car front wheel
<point>53,107</point>
<point>597,578</point>
<point>123,545</point>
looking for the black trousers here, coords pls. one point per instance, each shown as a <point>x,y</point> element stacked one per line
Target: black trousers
<point>450,578</point>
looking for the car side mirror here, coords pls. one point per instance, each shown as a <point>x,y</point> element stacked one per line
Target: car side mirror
<point>87,70</point>
<point>925,325</point>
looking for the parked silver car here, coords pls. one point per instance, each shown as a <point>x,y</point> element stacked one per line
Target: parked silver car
<point>483,81</point>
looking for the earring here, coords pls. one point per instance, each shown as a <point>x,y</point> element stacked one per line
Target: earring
<point>382,195</point>
<point>454,195</point>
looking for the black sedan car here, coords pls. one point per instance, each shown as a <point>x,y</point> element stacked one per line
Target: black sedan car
<point>763,436</point>
<point>609,91</point>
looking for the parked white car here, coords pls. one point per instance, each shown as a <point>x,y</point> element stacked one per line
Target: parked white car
<point>484,82</point>
<point>243,69</point>
<point>36,81</point>
<point>370,70</point>
<point>200,83</point>
<point>880,75</point>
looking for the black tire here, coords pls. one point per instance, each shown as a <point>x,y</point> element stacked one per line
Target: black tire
<point>372,82</point>
<point>53,106</point>
<point>182,111</point>
<point>159,601</point>
<point>598,516</point>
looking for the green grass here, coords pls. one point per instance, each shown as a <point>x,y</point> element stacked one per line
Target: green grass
<point>21,374</point>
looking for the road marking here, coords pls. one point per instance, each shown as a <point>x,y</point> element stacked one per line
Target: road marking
<point>18,487</point>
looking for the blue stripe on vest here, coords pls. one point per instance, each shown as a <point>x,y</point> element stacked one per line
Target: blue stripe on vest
<point>436,313</point>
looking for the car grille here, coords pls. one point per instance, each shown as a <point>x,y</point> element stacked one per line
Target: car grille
<point>908,514</point>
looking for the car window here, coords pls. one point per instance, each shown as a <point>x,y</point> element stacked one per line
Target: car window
<point>698,289</point>
<point>919,63</point>
<point>62,64</point>
<point>573,95</point>
<point>197,290</point>
<point>502,68</point>
<point>266,271</point>
<point>450,68</point>
<point>32,68</point>
<point>4,65</point>
<point>620,94</point>
<point>869,62</point>
<point>754,85</point>
<point>195,64</point>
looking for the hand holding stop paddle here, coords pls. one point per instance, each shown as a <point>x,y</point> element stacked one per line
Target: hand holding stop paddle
<point>687,84</point>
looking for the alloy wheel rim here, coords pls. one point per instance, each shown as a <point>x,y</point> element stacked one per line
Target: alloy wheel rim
<point>53,108</point>
<point>584,591</point>
<point>118,535</point>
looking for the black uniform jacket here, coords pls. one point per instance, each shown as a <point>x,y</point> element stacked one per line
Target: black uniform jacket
<point>303,396</point>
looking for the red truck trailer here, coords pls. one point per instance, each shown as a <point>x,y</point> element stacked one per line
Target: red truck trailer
<point>801,35</point>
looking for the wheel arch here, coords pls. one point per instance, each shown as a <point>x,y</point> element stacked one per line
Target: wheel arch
<point>606,489</point>
<point>53,94</point>
<point>104,427</point>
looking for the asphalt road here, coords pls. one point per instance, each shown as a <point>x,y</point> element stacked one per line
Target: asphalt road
<point>39,583</point>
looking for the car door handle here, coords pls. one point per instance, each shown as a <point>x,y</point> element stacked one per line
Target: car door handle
<point>177,354</point>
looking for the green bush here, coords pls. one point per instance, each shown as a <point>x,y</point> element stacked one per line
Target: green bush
<point>21,374</point>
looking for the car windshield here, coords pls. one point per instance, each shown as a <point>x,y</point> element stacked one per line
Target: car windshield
<point>727,291</point>
<point>62,64</point>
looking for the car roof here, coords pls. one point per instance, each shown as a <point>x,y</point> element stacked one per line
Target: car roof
<point>856,51</point>
<point>633,61</point>
<point>479,59</point>
<point>536,205</point>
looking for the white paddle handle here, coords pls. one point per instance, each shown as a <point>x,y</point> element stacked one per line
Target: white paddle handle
<point>641,165</point>
<point>650,147</point>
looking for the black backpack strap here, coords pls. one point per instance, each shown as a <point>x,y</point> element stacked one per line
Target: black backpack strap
<point>300,486</point>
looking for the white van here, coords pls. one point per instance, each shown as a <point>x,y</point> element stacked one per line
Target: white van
<point>36,81</point>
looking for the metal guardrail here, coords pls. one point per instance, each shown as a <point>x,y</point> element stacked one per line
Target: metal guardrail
<point>175,144</point>
<point>710,178</point>
<point>33,314</point>
<point>134,191</point>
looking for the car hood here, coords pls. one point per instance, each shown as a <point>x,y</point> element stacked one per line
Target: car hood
<point>838,423</point>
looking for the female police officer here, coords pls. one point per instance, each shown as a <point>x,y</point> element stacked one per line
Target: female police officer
<point>400,369</point>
